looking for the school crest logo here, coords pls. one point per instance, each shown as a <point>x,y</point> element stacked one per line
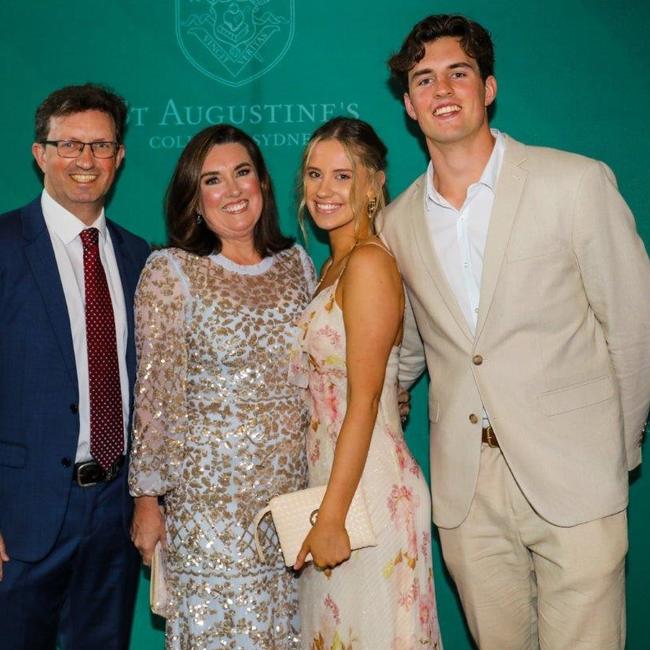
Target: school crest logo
<point>234,41</point>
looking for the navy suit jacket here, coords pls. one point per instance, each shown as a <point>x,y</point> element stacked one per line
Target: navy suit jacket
<point>39,419</point>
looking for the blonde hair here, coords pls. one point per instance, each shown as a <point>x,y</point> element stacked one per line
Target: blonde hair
<point>362,146</point>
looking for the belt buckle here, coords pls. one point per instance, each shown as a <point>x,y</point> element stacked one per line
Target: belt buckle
<point>90,472</point>
<point>80,470</point>
<point>490,438</point>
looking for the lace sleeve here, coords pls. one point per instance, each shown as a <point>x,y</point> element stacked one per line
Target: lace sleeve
<point>308,267</point>
<point>160,415</point>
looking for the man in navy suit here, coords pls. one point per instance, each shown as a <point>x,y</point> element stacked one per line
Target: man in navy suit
<point>68,571</point>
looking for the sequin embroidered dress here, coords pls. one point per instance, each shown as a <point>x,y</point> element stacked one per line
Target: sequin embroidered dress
<point>219,431</point>
<point>382,598</point>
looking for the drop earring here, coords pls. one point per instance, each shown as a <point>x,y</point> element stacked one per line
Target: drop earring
<point>372,206</point>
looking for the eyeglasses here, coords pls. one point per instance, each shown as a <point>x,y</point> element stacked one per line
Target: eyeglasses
<point>74,148</point>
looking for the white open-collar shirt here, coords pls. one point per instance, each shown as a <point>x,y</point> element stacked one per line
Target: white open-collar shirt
<point>459,235</point>
<point>64,230</point>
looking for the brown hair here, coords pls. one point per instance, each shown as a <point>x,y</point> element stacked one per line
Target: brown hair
<point>77,99</point>
<point>474,39</point>
<point>182,197</point>
<point>361,143</point>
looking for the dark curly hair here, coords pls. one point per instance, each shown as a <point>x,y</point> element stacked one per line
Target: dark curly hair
<point>474,39</point>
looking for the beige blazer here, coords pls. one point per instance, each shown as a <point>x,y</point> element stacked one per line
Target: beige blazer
<point>561,355</point>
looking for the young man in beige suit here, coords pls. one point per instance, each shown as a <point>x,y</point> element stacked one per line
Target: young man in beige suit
<point>529,294</point>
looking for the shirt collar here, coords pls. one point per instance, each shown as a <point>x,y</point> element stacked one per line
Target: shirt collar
<point>64,224</point>
<point>490,173</point>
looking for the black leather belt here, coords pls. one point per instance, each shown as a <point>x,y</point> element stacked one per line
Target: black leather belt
<point>488,436</point>
<point>90,472</point>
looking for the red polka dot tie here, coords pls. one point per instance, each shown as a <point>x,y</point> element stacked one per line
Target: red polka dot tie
<point>106,423</point>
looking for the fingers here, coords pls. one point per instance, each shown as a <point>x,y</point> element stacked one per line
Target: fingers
<point>4,557</point>
<point>146,550</point>
<point>331,560</point>
<point>302,555</point>
<point>147,527</point>
<point>145,546</point>
<point>404,402</point>
<point>147,555</point>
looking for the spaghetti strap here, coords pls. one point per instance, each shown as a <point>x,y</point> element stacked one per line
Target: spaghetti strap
<point>372,242</point>
<point>358,245</point>
<point>344,266</point>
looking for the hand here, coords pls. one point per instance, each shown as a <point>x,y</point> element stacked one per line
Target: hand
<point>147,527</point>
<point>403,402</point>
<point>328,544</point>
<point>3,554</point>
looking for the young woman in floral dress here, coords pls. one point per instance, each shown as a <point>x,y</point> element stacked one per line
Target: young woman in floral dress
<point>381,597</point>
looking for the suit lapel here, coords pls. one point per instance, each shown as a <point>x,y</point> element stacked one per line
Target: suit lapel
<point>40,257</point>
<point>510,185</point>
<point>429,257</point>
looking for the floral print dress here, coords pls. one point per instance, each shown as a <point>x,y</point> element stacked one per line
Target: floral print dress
<point>382,598</point>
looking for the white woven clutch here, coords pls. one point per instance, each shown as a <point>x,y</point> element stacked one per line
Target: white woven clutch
<point>158,596</point>
<point>295,513</point>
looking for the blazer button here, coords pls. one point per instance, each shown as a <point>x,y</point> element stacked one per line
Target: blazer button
<point>66,462</point>
<point>473,418</point>
<point>74,408</point>
<point>477,359</point>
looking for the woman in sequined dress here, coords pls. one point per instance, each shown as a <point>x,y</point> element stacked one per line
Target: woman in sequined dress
<point>218,430</point>
<point>380,597</point>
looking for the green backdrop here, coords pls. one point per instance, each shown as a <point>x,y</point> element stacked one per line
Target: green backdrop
<point>572,74</point>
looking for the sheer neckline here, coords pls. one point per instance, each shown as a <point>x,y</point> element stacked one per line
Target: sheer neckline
<point>244,269</point>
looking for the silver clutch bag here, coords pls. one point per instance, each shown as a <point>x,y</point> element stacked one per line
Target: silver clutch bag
<point>295,513</point>
<point>158,595</point>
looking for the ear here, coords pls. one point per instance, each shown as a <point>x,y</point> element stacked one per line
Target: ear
<point>38,151</point>
<point>409,107</point>
<point>119,156</point>
<point>375,185</point>
<point>490,90</point>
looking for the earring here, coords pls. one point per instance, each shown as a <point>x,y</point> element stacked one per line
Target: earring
<point>198,217</point>
<point>372,206</point>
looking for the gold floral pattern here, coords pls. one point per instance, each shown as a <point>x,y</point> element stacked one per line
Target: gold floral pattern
<point>219,431</point>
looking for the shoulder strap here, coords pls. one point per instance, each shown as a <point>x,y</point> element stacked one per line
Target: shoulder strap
<point>372,242</point>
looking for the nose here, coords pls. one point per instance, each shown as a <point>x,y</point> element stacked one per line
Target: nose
<point>324,188</point>
<point>233,187</point>
<point>443,88</point>
<point>86,159</point>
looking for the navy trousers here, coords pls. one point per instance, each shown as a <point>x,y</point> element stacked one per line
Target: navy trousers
<point>81,595</point>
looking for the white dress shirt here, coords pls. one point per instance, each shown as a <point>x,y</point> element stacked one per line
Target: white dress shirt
<point>459,235</point>
<point>64,229</point>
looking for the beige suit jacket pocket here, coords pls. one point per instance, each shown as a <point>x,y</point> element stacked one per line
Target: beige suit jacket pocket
<point>576,397</point>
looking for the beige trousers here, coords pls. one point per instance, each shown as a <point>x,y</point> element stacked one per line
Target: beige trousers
<point>525,583</point>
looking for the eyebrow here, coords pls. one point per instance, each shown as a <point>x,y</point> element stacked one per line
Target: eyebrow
<point>342,169</point>
<point>215,173</point>
<point>451,66</point>
<point>460,64</point>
